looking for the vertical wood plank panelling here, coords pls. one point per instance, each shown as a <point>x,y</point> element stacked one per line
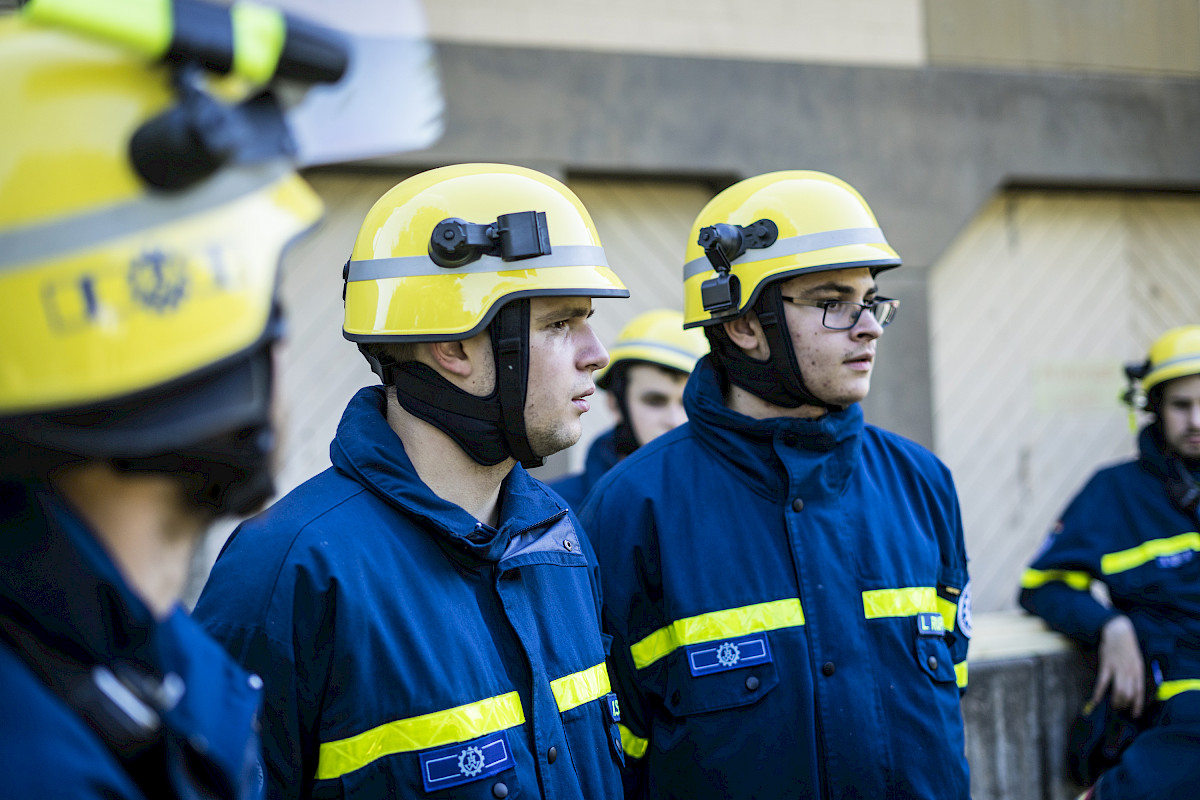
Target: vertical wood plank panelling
<point>1033,311</point>
<point>644,227</point>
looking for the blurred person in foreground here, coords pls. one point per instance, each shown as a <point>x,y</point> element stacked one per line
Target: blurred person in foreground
<point>786,586</point>
<point>145,202</point>
<point>425,613</point>
<point>1133,528</point>
<point>648,367</point>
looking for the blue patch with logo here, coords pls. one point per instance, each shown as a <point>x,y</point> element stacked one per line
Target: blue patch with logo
<point>930,624</point>
<point>614,707</point>
<point>466,762</point>
<point>719,656</point>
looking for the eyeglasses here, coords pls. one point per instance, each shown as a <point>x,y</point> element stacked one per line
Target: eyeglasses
<point>842,315</point>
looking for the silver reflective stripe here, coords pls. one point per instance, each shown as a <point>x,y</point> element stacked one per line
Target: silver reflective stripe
<point>420,266</point>
<point>147,211</point>
<point>794,246</point>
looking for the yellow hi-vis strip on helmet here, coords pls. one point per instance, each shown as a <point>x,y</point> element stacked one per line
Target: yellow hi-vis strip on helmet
<point>724,624</point>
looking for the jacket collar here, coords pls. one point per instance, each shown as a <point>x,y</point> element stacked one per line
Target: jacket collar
<point>775,454</point>
<point>58,575</point>
<point>369,451</point>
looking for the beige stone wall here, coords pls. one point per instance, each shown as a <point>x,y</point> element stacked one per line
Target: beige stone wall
<point>884,32</point>
<point>1148,36</point>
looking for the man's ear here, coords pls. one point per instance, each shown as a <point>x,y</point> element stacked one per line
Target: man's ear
<point>451,356</point>
<point>746,332</point>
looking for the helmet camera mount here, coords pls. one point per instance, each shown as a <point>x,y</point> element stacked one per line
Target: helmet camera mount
<point>512,237</point>
<point>722,244</point>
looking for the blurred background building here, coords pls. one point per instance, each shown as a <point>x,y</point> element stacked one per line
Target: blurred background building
<point>1034,162</point>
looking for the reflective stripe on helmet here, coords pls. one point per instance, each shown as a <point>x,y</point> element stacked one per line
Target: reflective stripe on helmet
<point>795,245</point>
<point>422,266</point>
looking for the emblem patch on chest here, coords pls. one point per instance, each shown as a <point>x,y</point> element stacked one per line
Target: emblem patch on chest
<point>466,762</point>
<point>719,656</point>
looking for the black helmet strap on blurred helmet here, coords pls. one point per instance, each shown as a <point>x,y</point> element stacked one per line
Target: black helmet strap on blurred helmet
<point>778,379</point>
<point>489,429</point>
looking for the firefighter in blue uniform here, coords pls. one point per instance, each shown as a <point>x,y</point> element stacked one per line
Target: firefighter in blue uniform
<point>1133,528</point>
<point>425,614</point>
<point>648,367</point>
<point>137,319</point>
<point>786,586</point>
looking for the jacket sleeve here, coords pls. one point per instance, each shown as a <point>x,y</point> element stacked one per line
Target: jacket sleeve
<point>260,629</point>
<point>954,592</point>
<point>603,520</point>
<point>1057,584</point>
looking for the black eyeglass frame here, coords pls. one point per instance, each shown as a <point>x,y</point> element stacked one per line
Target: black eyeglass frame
<point>824,305</point>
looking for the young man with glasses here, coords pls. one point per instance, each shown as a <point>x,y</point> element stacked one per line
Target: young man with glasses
<point>786,586</point>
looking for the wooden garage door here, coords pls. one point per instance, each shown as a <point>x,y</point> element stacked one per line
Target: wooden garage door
<point>1033,312</point>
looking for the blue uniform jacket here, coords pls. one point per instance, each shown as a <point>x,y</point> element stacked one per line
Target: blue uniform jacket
<point>408,650</point>
<point>56,577</point>
<point>789,605</point>
<point>601,457</point>
<point>1123,530</point>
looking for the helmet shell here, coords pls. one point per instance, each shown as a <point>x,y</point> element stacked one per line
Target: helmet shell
<point>824,224</point>
<point>1175,354</point>
<point>396,292</point>
<point>110,289</point>
<point>655,337</point>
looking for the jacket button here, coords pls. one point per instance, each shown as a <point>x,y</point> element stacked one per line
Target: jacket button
<point>791,439</point>
<point>552,755</point>
<point>828,668</point>
<point>932,662</point>
<point>752,683</point>
<point>797,504</point>
<point>500,791</point>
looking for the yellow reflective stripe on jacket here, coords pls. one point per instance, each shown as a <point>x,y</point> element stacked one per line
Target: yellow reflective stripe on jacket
<point>1148,551</point>
<point>581,687</point>
<point>907,602</point>
<point>948,610</point>
<point>1037,578</point>
<point>633,745</point>
<point>1168,689</point>
<point>960,674</point>
<point>458,724</point>
<point>717,625</point>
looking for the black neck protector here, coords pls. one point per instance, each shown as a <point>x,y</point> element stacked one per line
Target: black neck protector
<point>778,379</point>
<point>489,429</point>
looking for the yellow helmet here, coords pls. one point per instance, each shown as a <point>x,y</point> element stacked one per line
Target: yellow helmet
<point>655,337</point>
<point>439,254</point>
<point>138,269</point>
<point>1175,354</point>
<point>451,251</point>
<point>769,228</point>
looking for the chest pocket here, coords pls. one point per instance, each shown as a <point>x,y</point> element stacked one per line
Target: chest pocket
<point>472,770</point>
<point>720,674</point>
<point>933,658</point>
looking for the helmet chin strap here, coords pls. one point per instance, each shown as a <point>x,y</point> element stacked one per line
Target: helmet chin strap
<point>778,379</point>
<point>489,429</point>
